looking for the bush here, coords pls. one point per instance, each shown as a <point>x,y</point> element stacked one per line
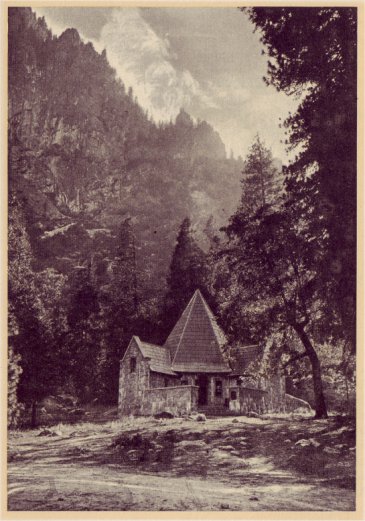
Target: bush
<point>15,408</point>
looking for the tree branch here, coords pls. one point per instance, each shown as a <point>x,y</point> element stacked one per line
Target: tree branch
<point>295,358</point>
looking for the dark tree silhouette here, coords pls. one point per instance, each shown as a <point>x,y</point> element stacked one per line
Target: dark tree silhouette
<point>313,52</point>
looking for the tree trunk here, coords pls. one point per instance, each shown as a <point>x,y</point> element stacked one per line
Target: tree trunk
<point>347,393</point>
<point>34,414</point>
<point>320,403</point>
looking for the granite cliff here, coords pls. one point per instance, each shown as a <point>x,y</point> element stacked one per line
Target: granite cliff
<point>84,156</point>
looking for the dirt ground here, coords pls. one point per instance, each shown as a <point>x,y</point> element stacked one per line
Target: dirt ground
<point>243,464</point>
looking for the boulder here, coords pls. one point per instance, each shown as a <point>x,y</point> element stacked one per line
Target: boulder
<point>235,453</point>
<point>253,414</point>
<point>77,412</point>
<point>331,450</point>
<point>307,443</point>
<point>191,444</point>
<point>201,418</point>
<point>226,447</point>
<point>47,432</point>
<point>303,443</point>
<point>165,415</point>
<point>134,455</point>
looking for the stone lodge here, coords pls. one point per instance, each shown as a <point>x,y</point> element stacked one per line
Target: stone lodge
<point>191,372</point>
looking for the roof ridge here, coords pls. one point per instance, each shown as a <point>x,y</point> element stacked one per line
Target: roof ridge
<point>137,340</point>
<point>211,317</point>
<point>186,323</point>
<point>151,344</point>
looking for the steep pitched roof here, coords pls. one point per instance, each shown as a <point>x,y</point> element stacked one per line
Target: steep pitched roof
<point>160,360</point>
<point>196,340</point>
<point>159,357</point>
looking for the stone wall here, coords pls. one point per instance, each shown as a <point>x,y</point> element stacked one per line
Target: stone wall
<point>161,380</point>
<point>250,400</point>
<point>275,387</point>
<point>176,400</point>
<point>264,401</point>
<point>212,397</point>
<point>259,395</point>
<point>132,383</point>
<point>292,403</point>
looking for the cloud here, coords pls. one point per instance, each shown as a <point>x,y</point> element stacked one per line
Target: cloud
<point>143,60</point>
<point>231,92</point>
<point>146,62</point>
<point>177,59</point>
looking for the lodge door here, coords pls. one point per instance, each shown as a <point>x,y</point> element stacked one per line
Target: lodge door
<point>202,383</point>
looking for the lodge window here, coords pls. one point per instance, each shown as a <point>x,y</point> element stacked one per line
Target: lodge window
<point>233,395</point>
<point>133,364</point>
<point>184,381</point>
<point>218,388</point>
<point>166,382</point>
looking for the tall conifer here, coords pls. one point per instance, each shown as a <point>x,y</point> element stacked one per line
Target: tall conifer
<point>188,272</point>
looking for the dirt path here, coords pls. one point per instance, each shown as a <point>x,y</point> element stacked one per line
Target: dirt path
<point>80,470</point>
<point>92,488</point>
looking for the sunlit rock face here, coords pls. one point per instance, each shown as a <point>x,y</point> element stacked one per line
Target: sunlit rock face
<point>82,150</point>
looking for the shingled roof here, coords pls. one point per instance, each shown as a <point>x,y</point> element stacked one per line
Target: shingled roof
<point>195,345</point>
<point>159,356</point>
<point>196,341</point>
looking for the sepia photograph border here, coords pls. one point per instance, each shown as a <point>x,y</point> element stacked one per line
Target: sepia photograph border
<point>357,514</point>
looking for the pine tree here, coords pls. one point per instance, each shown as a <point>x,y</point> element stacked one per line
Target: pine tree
<point>83,336</point>
<point>125,269</point>
<point>188,272</point>
<point>312,53</point>
<point>33,342</point>
<point>260,179</point>
<point>273,287</point>
<point>120,312</point>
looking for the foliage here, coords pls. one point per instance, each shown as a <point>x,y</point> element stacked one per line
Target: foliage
<point>312,53</point>
<point>260,183</point>
<point>188,272</point>
<point>82,342</point>
<point>31,345</point>
<point>120,313</point>
<point>14,372</point>
<point>272,277</point>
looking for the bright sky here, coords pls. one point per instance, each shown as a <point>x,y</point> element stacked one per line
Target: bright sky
<point>206,60</point>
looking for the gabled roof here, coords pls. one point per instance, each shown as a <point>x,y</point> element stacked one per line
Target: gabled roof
<point>158,357</point>
<point>196,341</point>
<point>195,345</point>
<point>160,360</point>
